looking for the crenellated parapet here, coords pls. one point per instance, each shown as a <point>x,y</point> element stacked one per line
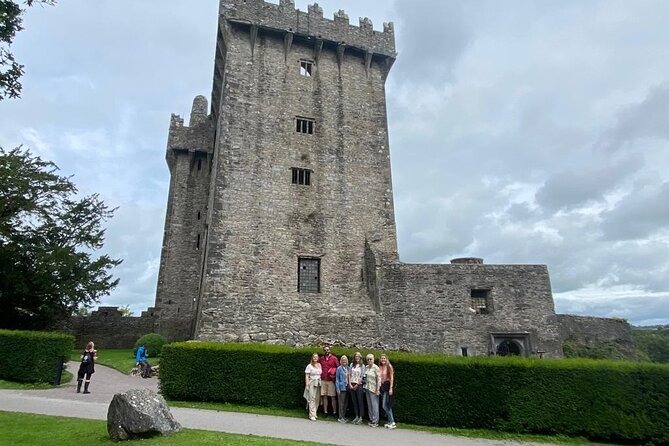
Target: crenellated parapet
<point>311,24</point>
<point>198,136</point>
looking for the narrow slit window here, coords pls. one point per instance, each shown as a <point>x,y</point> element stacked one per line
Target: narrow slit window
<point>306,68</point>
<point>199,164</point>
<point>304,125</point>
<point>198,242</point>
<point>301,176</point>
<point>308,275</point>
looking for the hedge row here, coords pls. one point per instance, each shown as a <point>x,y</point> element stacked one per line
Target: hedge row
<point>602,400</point>
<point>30,356</point>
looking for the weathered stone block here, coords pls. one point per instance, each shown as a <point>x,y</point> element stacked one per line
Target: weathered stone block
<point>139,413</point>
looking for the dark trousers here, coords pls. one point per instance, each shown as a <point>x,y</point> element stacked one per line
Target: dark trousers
<point>146,369</point>
<point>358,398</point>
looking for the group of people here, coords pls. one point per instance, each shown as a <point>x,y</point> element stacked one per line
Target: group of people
<point>90,355</point>
<point>334,382</point>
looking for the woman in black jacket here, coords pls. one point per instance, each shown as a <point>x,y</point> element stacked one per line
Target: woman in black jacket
<point>87,366</point>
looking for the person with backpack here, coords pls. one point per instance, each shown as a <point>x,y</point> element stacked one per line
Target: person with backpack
<point>86,367</point>
<point>142,362</point>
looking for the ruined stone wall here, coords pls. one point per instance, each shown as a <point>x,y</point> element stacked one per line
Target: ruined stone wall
<point>429,307</point>
<point>189,154</point>
<point>260,223</point>
<point>109,329</point>
<point>593,331</point>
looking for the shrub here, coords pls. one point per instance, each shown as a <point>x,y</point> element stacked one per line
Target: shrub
<point>602,400</point>
<point>30,356</point>
<point>154,343</point>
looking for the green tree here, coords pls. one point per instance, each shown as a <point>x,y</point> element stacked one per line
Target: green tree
<point>11,23</point>
<point>47,240</point>
<point>125,311</point>
<point>652,342</point>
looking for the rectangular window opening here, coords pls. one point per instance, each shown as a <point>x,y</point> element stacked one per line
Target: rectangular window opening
<point>480,301</point>
<point>308,275</point>
<point>304,125</point>
<point>198,242</point>
<point>301,176</point>
<point>464,351</point>
<point>306,68</point>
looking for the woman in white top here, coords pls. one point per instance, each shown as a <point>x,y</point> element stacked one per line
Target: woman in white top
<point>355,385</point>
<point>312,385</point>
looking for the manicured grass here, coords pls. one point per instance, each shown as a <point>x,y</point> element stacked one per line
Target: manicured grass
<point>469,433</point>
<point>66,378</point>
<point>19,429</point>
<point>122,360</point>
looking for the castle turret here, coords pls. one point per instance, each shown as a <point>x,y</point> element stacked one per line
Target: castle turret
<point>189,154</point>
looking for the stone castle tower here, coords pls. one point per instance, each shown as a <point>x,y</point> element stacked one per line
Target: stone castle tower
<point>280,224</point>
<point>273,195</point>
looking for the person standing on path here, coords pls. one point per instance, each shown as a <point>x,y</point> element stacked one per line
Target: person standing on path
<point>86,367</point>
<point>387,373</point>
<point>312,385</point>
<point>341,384</point>
<point>357,378</point>
<point>329,364</point>
<point>372,390</point>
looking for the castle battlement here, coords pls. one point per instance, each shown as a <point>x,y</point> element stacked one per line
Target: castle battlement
<point>311,24</point>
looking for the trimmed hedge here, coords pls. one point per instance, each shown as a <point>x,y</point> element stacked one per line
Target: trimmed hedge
<point>154,344</point>
<point>30,356</point>
<point>603,400</point>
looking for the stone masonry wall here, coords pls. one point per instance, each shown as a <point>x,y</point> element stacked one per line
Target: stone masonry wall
<point>260,223</point>
<point>429,307</point>
<point>189,154</point>
<point>593,331</point>
<point>109,329</point>
<point>285,17</point>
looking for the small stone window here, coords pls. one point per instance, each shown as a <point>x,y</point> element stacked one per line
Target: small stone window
<point>301,176</point>
<point>464,351</point>
<point>481,301</point>
<point>306,68</point>
<point>304,125</point>
<point>308,275</point>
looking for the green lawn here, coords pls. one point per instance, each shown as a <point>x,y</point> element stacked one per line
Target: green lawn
<point>18,429</point>
<point>122,360</point>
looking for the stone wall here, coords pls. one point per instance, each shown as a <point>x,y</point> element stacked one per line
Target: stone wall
<point>593,331</point>
<point>260,223</point>
<point>189,155</point>
<point>109,329</point>
<point>430,308</point>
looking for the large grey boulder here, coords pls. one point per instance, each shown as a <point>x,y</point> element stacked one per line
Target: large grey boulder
<point>139,413</point>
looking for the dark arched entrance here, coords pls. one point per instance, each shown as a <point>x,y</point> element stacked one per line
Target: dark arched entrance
<point>508,348</point>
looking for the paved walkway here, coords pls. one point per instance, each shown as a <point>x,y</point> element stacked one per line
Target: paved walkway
<point>64,401</point>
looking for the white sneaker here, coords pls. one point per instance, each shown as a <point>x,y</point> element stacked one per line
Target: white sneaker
<point>312,418</point>
<point>391,426</point>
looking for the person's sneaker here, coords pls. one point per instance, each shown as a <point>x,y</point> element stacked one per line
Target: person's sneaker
<point>373,424</point>
<point>86,391</point>
<point>356,420</point>
<point>312,418</point>
<point>341,420</point>
<point>391,426</point>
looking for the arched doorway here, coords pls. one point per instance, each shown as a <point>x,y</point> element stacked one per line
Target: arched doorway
<point>508,347</point>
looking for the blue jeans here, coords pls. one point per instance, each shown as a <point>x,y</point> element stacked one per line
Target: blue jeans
<point>385,399</point>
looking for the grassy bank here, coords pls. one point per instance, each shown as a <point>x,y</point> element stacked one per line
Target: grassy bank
<point>18,429</point>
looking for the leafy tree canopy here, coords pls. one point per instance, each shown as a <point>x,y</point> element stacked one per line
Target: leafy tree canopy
<point>11,23</point>
<point>47,240</point>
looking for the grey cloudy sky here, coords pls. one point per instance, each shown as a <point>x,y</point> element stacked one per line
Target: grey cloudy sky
<point>521,132</point>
